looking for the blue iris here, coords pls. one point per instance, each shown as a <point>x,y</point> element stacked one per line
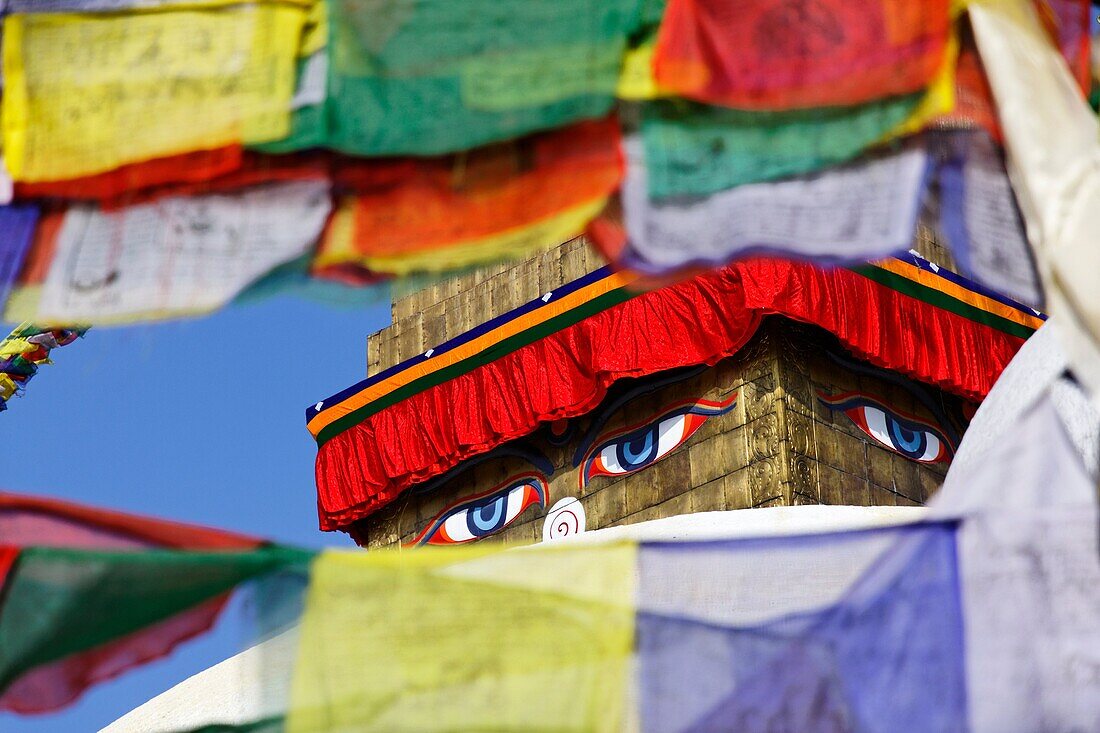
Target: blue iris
<point>906,440</point>
<point>639,448</point>
<point>486,518</point>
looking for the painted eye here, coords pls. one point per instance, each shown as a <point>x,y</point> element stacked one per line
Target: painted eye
<point>910,436</point>
<point>630,450</point>
<point>484,514</point>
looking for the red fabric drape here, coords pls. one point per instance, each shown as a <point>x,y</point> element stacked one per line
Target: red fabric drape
<point>699,321</point>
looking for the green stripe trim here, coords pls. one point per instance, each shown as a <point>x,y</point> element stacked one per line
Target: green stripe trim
<point>494,352</point>
<point>943,300</point>
<point>607,300</point>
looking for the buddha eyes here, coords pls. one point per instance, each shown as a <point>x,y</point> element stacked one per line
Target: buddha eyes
<point>630,450</point>
<point>910,436</point>
<point>484,514</point>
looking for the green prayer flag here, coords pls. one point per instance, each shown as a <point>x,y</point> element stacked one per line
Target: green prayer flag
<point>694,149</point>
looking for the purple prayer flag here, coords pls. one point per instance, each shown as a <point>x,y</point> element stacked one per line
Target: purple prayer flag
<point>886,655</point>
<point>17,225</point>
<point>979,216</point>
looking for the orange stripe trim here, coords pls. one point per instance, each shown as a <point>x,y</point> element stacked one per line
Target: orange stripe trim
<point>555,308</point>
<point>928,279</point>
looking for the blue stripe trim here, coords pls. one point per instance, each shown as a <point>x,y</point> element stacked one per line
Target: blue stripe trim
<point>463,338</point>
<point>603,272</point>
<point>915,259</point>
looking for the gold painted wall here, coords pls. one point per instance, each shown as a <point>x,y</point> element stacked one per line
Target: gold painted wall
<point>430,315</point>
<point>780,445</point>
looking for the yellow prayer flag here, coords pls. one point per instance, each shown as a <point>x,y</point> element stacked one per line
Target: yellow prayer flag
<point>87,93</point>
<point>22,303</point>
<point>14,347</point>
<point>338,243</point>
<point>636,82</point>
<point>471,638</point>
<point>343,243</point>
<point>315,31</point>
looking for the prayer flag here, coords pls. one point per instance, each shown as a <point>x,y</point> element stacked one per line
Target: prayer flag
<point>493,203</point>
<point>84,94</point>
<point>88,594</point>
<point>694,150</point>
<point>862,211</point>
<point>17,224</point>
<point>775,55</point>
<point>178,255</point>
<point>415,77</point>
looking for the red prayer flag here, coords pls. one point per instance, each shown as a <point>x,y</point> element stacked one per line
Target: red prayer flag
<point>189,174</point>
<point>1067,22</point>
<point>27,521</point>
<point>190,167</point>
<point>777,54</point>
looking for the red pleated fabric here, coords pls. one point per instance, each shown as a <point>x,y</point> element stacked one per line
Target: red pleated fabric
<point>883,326</point>
<point>777,54</point>
<point>699,321</point>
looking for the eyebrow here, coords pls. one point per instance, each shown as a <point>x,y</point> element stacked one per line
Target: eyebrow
<point>921,393</point>
<point>604,412</point>
<point>521,449</point>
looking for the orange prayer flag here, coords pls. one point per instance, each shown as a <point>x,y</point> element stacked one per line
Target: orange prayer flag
<point>484,202</point>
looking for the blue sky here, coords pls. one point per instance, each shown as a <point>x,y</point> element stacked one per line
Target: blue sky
<point>199,421</point>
